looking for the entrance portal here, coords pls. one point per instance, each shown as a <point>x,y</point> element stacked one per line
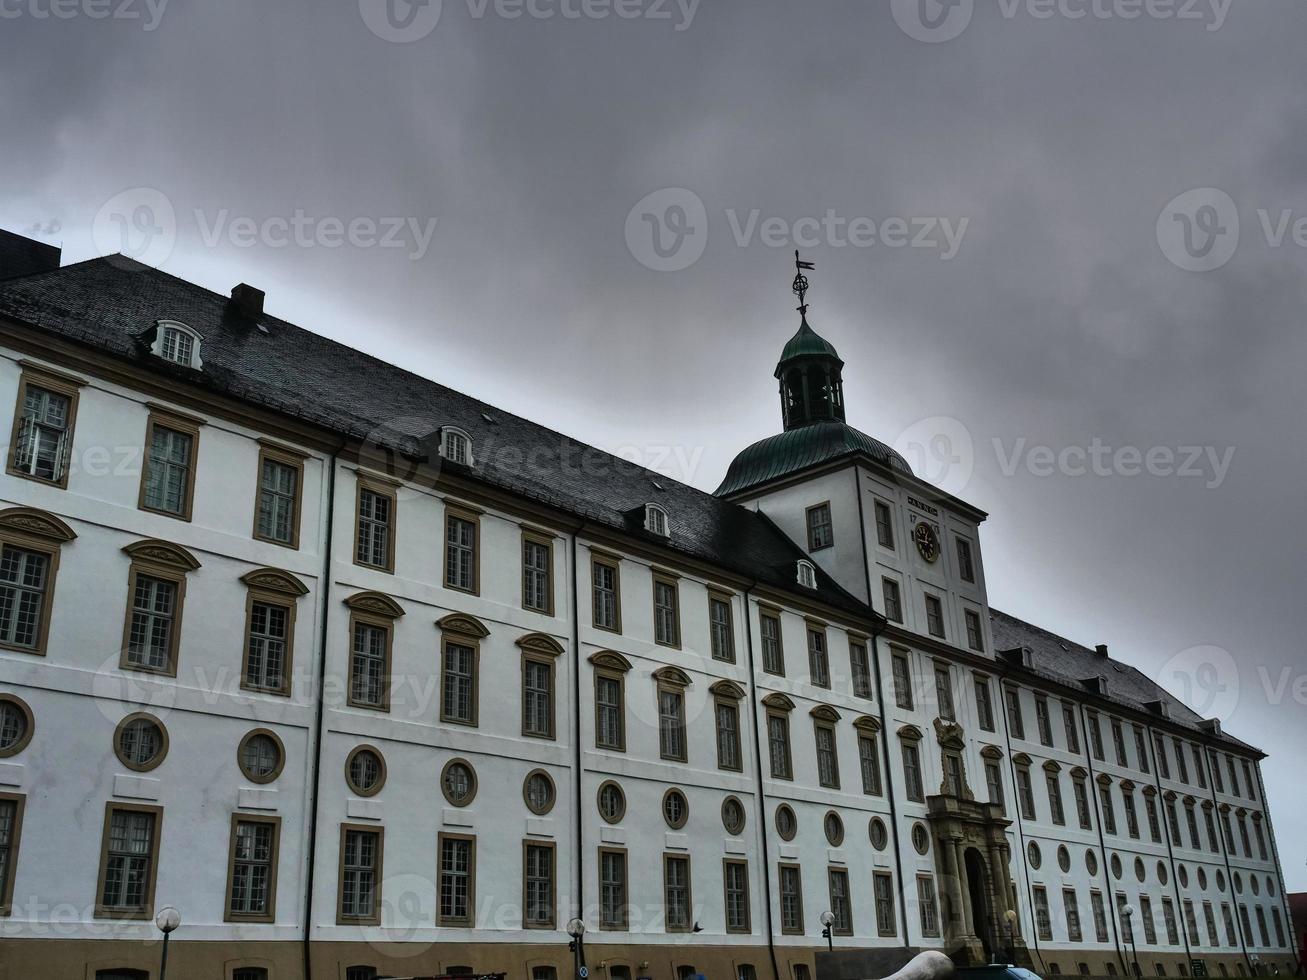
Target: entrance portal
<point>978,891</point>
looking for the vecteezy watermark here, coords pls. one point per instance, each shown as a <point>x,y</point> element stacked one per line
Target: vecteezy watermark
<point>147,12</point>
<point>936,21</point>
<point>940,451</point>
<point>1205,678</point>
<point>1199,230</point>
<point>140,223</point>
<point>667,231</point>
<point>406,21</point>
<point>1098,459</point>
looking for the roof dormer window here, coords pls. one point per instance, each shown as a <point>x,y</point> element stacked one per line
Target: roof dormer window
<point>178,343</point>
<point>655,520</point>
<point>456,446</point>
<point>807,574</point>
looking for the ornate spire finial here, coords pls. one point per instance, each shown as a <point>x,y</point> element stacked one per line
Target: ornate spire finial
<point>801,282</point>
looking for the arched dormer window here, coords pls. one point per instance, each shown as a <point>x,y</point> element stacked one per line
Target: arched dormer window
<point>178,343</point>
<point>456,445</point>
<point>807,574</point>
<point>655,520</point>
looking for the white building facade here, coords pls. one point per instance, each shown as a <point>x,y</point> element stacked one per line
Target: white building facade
<point>370,679</point>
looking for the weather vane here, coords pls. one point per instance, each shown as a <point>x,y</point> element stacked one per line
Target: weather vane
<point>801,281</point>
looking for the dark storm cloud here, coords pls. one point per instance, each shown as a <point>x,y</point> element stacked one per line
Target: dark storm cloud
<point>1059,321</point>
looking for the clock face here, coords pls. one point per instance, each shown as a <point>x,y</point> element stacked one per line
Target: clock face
<point>927,543</point>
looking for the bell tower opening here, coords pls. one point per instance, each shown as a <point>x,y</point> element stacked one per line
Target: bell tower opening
<point>810,370</point>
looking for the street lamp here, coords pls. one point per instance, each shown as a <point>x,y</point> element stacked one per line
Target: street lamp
<point>1128,913</point>
<point>576,929</point>
<point>827,920</point>
<point>167,920</point>
<point>1010,924</point>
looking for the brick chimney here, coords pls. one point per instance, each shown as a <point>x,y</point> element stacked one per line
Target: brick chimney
<point>1101,650</point>
<point>248,300</point>
<point>21,256</point>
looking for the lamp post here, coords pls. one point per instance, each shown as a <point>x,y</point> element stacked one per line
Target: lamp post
<point>167,920</point>
<point>827,920</point>
<point>1128,913</point>
<point>576,929</point>
<point>1010,924</point>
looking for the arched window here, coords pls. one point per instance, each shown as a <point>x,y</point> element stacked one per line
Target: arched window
<point>807,574</point>
<point>655,520</point>
<point>176,342</point>
<point>456,446</point>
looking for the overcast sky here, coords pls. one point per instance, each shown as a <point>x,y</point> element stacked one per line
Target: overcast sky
<point>1061,309</point>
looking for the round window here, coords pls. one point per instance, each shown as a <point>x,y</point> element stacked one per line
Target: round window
<point>786,824</point>
<point>1183,874</point>
<point>1270,886</point>
<point>676,809</point>
<point>1091,863</point>
<point>1255,883</point>
<point>1202,878</point>
<point>879,835</point>
<point>834,828</point>
<point>365,771</point>
<point>1220,881</point>
<point>260,756</point>
<point>612,802</point>
<point>1064,859</point>
<point>1140,871</point>
<point>1238,883</point>
<point>458,781</point>
<point>733,815</point>
<point>141,742</point>
<point>920,838</point>
<point>1163,875</point>
<point>1035,855</point>
<point>1118,872</point>
<point>15,725</point>
<point>538,791</point>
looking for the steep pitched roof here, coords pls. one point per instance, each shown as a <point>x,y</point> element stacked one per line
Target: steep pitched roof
<point>107,303</point>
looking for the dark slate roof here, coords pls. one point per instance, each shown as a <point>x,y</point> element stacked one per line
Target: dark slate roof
<point>801,448</point>
<point>1064,662</point>
<point>806,343</point>
<point>107,303</point>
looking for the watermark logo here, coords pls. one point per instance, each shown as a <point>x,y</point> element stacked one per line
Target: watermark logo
<point>1205,678</point>
<point>940,451</point>
<point>667,231</point>
<point>139,223</point>
<point>1198,231</point>
<point>1207,463</point>
<point>148,12</point>
<point>933,21</point>
<point>401,21</point>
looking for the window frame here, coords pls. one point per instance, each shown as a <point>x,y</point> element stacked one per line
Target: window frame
<point>378,874</point>
<point>976,636</point>
<point>19,800</point>
<point>165,563</point>
<point>886,898</point>
<point>773,614</point>
<point>783,716</point>
<point>730,703</point>
<point>614,564</point>
<point>879,508</point>
<point>65,385</point>
<point>272,587</point>
<point>354,787</point>
<point>966,559</point>
<point>28,529</point>
<point>462,631</point>
<point>840,873</point>
<point>457,922</point>
<point>747,927</point>
<point>146,911</point>
<point>281,755</point>
<point>722,599</point>
<point>667,682</point>
<point>887,586</point>
<point>818,654</point>
<point>610,667</point>
<point>467,515</point>
<point>797,869</point>
<point>270,915</point>
<point>812,529</point>
<point>164,743</point>
<point>542,844</point>
<point>161,417</point>
<point>379,611</point>
<point>927,899</point>
<point>824,722</point>
<point>667,580</point>
<point>284,456</point>
<point>539,539</point>
<point>934,623</point>
<point>668,858</point>
<point>379,488</point>
<point>29,721</point>
<point>622,922</point>
<point>544,652</point>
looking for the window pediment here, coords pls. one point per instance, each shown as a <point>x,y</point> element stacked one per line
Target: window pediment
<point>462,624</point>
<point>1079,772</point>
<point>672,675</point>
<point>728,689</point>
<point>1150,790</point>
<point>910,733</point>
<point>991,752</point>
<point>1021,759</point>
<point>162,553</point>
<point>376,603</point>
<point>275,580</point>
<point>825,712</point>
<point>778,701</point>
<point>540,643</point>
<point>1127,786</point>
<point>1052,766</point>
<point>1104,779</point>
<point>867,723</point>
<point>610,660</point>
<point>29,520</point>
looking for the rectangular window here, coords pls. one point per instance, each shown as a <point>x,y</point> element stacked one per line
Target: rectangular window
<point>1127,922</point>
<point>1234,776</point>
<point>1173,822</point>
<point>676,892</point>
<point>860,667</point>
<point>128,861</point>
<point>1231,937</point>
<point>1109,810</point>
<point>1261,839</point>
<point>1279,928</point>
<point>728,736</point>
<point>984,704</point>
<point>828,768</point>
<point>671,724</point>
<point>818,662</point>
<point>721,632</point>
<point>267,646</point>
<point>1025,793</point>
<point>966,568</point>
<point>152,624</point>
<point>538,885</point>
<point>840,908</point>
<point>1054,785</point>
<point>791,894</point>
<point>1070,728</point>
<point>953,782</point>
<point>43,428</point>
<point>1100,916</point>
<point>1081,790</point>
<point>1213,844</point>
<point>25,590</point>
<point>1118,743</point>
<point>1095,735</point>
<point>975,635</point>
<point>735,889</point>
<point>1163,760</point>
<point>168,480</point>
<point>612,889</point>
<point>1154,825</point>
<point>934,616</point>
<point>778,745</point>
<point>869,761</point>
<point>277,513</point>
<point>1043,721</point>
<point>369,671</point>
<point>458,684</point>
<point>994,783</point>
<point>606,593</point>
<point>884,526</point>
<point>457,880</point>
<point>538,574</point>
<point>902,681</point>
<point>1247,925</point>
<point>883,889</point>
<point>773,659</point>
<point>360,875</point>
<point>1043,921</point>
<point>537,697</point>
<point>610,714</point>
<point>1015,722</point>
<point>1191,922</point>
<point>893,600</point>
<point>820,533</point>
<point>667,620</point>
<point>1172,927</point>
<point>1146,916</point>
<point>1249,781</point>
<point>252,868</point>
<point>912,779</point>
<point>374,533</point>
<point>1200,770</point>
<point>1071,906</point>
<point>11,826</point>
<point>1191,818</point>
<point>944,693</point>
<point>1181,762</point>
<point>1131,817</point>
<point>1262,931</point>
<point>461,532</point>
<point>1209,920</point>
<point>926,904</point>
<point>1141,750</point>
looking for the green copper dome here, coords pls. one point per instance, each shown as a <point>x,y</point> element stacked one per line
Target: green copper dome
<point>800,449</point>
<point>806,343</point>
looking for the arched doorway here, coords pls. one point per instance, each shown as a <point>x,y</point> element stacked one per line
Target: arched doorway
<point>981,914</point>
